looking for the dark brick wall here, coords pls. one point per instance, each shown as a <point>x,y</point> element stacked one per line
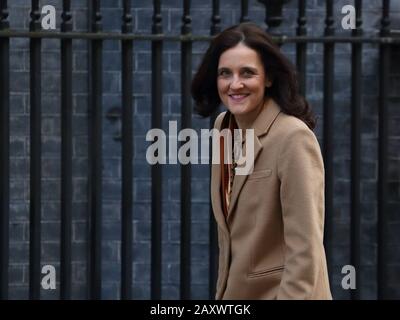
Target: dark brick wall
<point>201,13</point>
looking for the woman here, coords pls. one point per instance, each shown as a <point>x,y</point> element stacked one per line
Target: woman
<point>270,222</point>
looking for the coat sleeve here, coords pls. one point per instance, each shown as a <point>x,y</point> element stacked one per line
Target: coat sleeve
<point>301,173</point>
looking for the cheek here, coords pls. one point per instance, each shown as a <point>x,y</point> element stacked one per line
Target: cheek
<point>221,86</point>
<point>259,87</point>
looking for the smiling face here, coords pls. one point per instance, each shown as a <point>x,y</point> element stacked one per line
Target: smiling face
<point>241,80</point>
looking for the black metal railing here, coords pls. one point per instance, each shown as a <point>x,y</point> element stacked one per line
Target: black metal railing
<point>95,153</point>
<point>127,155</point>
<point>156,172</point>
<point>355,179</point>
<point>96,37</point>
<point>328,131</point>
<point>66,154</point>
<point>213,236</point>
<point>186,122</point>
<point>384,69</point>
<point>35,205</point>
<point>4,151</point>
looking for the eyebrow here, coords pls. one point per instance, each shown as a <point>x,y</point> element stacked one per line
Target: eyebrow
<point>250,68</point>
<point>241,68</point>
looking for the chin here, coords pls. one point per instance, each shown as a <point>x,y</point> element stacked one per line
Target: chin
<point>237,110</point>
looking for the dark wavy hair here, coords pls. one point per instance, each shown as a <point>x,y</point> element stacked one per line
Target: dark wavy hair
<point>278,69</point>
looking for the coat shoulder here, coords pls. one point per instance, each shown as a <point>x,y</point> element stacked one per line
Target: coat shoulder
<point>296,138</point>
<point>291,132</point>
<point>288,125</point>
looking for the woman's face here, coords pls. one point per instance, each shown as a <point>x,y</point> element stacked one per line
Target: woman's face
<point>241,80</point>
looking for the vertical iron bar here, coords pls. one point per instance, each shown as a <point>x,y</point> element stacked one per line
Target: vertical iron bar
<point>127,155</point>
<point>156,172</point>
<point>66,154</point>
<point>328,131</point>
<point>301,47</point>
<point>216,18</point>
<point>213,237</point>
<point>244,11</point>
<point>186,76</point>
<point>89,15</point>
<point>35,155</point>
<point>384,69</point>
<point>95,193</point>
<point>273,14</point>
<point>355,224</point>
<point>4,151</point>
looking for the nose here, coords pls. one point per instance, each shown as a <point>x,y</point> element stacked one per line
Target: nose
<point>236,83</point>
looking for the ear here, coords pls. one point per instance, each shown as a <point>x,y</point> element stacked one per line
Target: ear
<point>268,82</point>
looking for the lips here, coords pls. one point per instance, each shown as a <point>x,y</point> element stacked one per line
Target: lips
<point>238,97</point>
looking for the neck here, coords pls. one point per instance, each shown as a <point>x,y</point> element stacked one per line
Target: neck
<point>246,121</point>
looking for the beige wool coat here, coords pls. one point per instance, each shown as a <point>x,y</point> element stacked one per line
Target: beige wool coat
<point>271,242</point>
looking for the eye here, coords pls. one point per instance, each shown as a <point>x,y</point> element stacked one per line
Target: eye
<point>247,73</point>
<point>224,72</point>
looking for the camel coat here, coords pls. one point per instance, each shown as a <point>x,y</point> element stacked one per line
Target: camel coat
<point>271,242</point>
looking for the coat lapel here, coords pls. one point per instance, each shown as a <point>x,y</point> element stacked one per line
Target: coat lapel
<point>216,197</point>
<point>261,127</point>
<point>239,180</point>
<point>216,186</point>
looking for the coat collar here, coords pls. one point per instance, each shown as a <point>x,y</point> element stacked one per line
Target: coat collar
<point>264,120</point>
<point>267,116</point>
<point>261,127</point>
